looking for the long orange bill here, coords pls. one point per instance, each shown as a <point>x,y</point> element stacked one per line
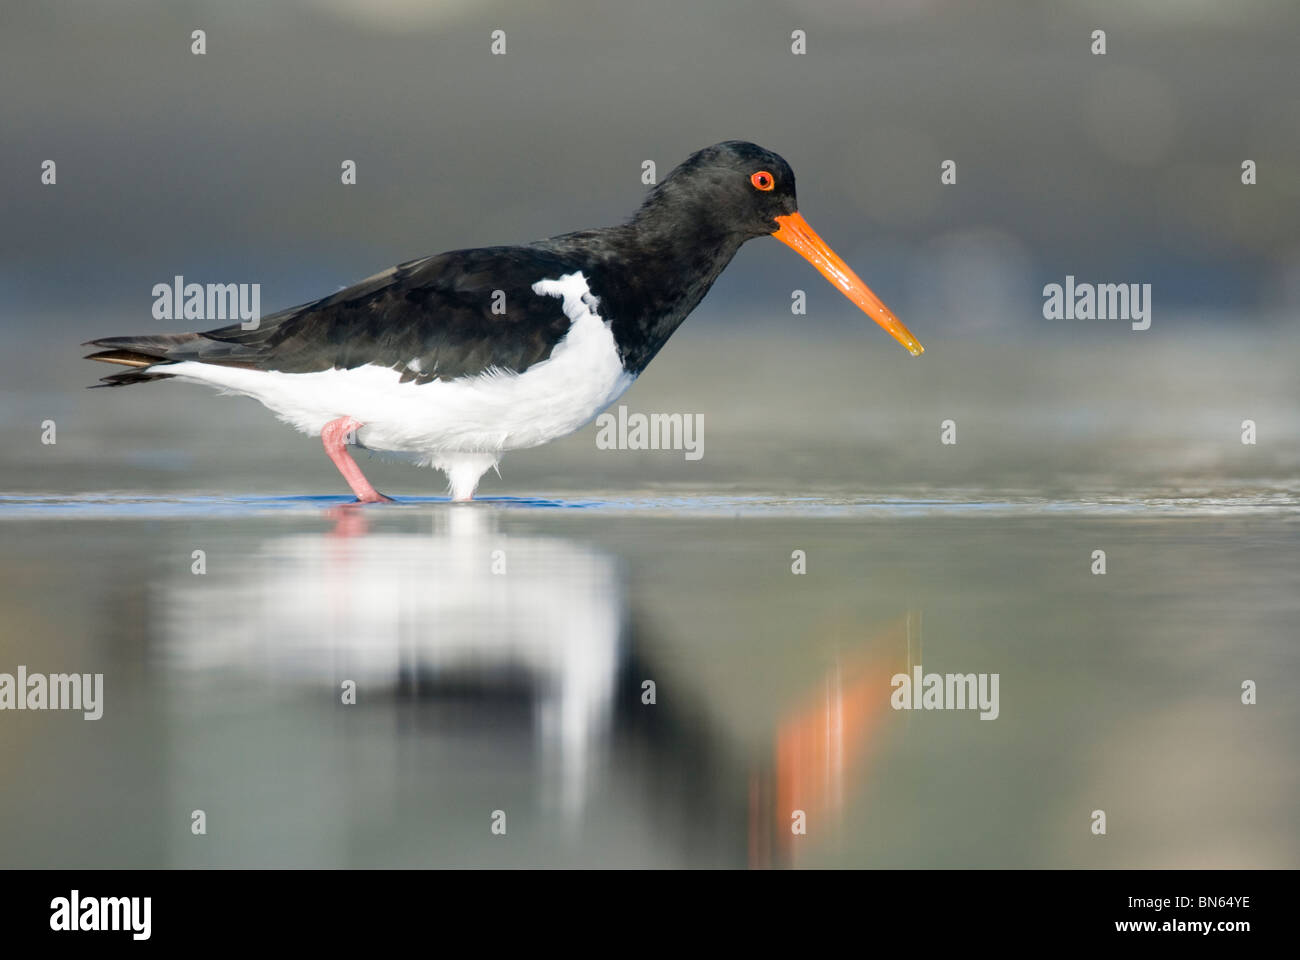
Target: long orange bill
<point>795,233</point>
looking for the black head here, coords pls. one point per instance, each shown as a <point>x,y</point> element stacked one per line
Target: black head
<point>735,187</point>
<point>734,191</point>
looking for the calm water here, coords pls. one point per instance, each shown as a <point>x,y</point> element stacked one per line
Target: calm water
<point>500,649</point>
<point>499,652</point>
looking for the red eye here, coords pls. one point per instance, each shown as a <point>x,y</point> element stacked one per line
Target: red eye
<point>762,180</point>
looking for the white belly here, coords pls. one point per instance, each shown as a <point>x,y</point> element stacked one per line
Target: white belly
<point>488,413</point>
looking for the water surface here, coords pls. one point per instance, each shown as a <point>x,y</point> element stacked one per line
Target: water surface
<point>500,653</point>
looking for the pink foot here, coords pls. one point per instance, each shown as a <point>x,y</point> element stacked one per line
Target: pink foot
<point>334,436</point>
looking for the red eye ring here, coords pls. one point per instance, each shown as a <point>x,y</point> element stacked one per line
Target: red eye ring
<point>762,180</point>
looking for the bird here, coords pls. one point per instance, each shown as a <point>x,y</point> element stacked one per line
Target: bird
<point>454,359</point>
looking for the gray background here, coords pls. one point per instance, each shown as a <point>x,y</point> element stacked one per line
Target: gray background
<point>1122,168</point>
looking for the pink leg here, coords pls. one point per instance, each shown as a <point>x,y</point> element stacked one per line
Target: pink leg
<point>334,436</point>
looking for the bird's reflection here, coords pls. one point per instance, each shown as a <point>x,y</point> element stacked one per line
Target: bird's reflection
<point>461,609</point>
<point>464,614</point>
<point>823,740</point>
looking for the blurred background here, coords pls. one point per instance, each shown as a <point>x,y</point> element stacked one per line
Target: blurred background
<point>523,692</point>
<point>1122,168</point>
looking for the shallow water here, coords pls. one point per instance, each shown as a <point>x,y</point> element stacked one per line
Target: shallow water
<point>500,649</point>
<point>141,505</point>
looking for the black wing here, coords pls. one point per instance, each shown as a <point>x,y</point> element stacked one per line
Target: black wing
<point>433,318</point>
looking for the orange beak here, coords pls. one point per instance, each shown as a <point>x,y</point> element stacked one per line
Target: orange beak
<point>795,233</point>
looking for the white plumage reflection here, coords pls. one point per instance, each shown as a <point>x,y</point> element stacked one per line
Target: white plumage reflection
<point>463,610</point>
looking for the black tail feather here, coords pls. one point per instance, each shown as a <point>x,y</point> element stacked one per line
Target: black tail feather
<point>153,351</point>
<point>128,358</point>
<point>126,379</point>
<point>136,352</point>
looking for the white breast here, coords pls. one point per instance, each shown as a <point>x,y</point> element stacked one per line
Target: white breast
<point>488,413</point>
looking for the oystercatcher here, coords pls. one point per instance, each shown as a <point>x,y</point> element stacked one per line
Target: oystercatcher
<point>456,358</point>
